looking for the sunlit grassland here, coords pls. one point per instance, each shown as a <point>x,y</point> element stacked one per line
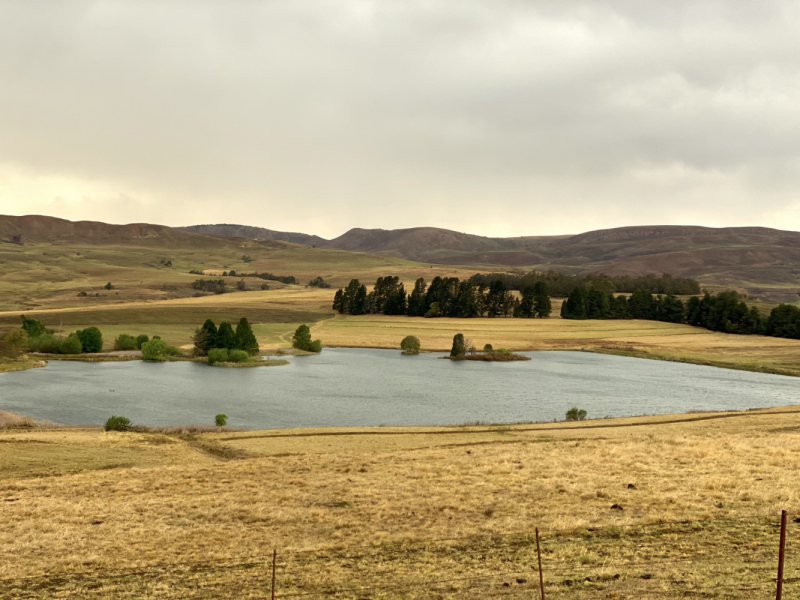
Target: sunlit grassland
<point>703,497</point>
<point>651,339</point>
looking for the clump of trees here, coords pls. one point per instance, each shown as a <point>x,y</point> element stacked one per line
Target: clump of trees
<point>410,345</point>
<point>13,343</point>
<point>288,279</point>
<point>91,339</point>
<point>727,312</point>
<point>444,297</point>
<point>209,337</point>
<point>40,340</point>
<point>214,286</point>
<point>561,284</point>
<point>319,282</point>
<point>125,341</point>
<point>302,340</point>
<point>595,304</point>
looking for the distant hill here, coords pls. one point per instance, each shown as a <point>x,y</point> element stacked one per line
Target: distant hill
<point>255,233</point>
<point>763,261</point>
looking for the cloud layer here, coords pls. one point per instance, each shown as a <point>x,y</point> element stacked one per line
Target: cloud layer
<point>494,117</point>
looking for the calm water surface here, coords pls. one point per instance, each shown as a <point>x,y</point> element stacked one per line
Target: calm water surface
<point>350,387</point>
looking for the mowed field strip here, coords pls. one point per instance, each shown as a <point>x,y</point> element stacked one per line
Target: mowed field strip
<point>92,514</point>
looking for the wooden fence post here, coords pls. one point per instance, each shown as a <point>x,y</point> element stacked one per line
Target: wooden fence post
<point>539,554</point>
<point>781,556</point>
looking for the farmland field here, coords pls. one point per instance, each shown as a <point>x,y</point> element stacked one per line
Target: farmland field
<point>404,512</point>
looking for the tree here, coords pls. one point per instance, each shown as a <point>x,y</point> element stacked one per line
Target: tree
<point>526,306</point>
<point>319,282</point>
<point>241,285</point>
<point>221,420</point>
<point>118,424</point>
<point>302,340</point>
<point>32,327</point>
<point>640,304</point>
<point>91,339</point>
<point>575,305</point>
<point>337,300</point>
<point>141,339</point>
<point>154,350</point>
<point>216,355</point>
<point>226,337</point>
<point>575,414</point>
<point>488,348</point>
<point>108,286</point>
<point>245,339</point>
<point>410,345</point>
<point>459,347</point>
<point>416,299</point>
<point>541,300</point>
<point>205,338</point>
<point>433,311</point>
<point>597,305</point>
<point>13,343</point>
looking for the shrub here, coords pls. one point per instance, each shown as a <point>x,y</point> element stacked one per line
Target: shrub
<point>171,351</point>
<point>459,348</point>
<point>141,339</point>
<point>319,282</point>
<point>315,346</point>
<point>71,345</point>
<point>216,355</point>
<point>125,342</point>
<point>221,420</point>
<point>154,350</point>
<point>410,345</point>
<point>264,286</point>
<point>108,286</point>
<point>118,424</point>
<point>46,343</point>
<point>503,351</point>
<point>91,339</point>
<point>575,414</point>
<point>488,348</point>
<point>241,285</point>
<point>237,356</point>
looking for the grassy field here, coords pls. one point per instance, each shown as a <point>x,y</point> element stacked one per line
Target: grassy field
<point>405,512</point>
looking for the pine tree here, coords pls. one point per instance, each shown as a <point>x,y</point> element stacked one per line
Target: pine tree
<point>226,337</point>
<point>459,348</point>
<point>541,300</point>
<point>416,299</point>
<point>245,339</point>
<point>337,300</point>
<point>525,309</point>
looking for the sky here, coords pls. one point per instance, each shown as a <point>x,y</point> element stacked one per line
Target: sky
<point>494,117</point>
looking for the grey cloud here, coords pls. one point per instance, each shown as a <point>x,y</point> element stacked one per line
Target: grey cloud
<point>339,114</point>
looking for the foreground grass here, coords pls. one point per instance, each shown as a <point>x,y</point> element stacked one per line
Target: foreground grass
<point>91,514</point>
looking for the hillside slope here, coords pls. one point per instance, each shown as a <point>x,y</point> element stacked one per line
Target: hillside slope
<point>255,233</point>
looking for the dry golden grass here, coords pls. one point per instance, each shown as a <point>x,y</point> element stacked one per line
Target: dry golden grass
<point>641,338</point>
<point>376,507</point>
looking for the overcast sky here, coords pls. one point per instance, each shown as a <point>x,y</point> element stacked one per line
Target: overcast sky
<point>496,117</point>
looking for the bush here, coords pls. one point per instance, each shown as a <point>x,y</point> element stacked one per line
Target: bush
<point>171,351</point>
<point>315,346</point>
<point>221,420</point>
<point>46,343</point>
<point>125,342</point>
<point>141,339</point>
<point>488,348</point>
<point>319,282</point>
<point>410,345</point>
<point>237,356</point>
<point>71,345</point>
<point>433,311</point>
<point>264,286</point>
<point>118,424</point>
<point>108,286</point>
<point>241,285</point>
<point>503,351</point>
<point>216,355</point>
<point>91,339</point>
<point>575,414</point>
<point>154,350</point>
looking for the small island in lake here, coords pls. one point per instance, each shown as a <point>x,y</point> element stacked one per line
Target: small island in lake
<point>463,350</point>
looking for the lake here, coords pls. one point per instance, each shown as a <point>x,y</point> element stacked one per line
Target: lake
<point>359,387</point>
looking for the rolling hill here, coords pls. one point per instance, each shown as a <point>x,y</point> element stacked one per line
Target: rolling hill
<point>764,262</point>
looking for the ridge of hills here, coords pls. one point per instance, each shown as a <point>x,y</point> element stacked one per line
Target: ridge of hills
<point>760,261</point>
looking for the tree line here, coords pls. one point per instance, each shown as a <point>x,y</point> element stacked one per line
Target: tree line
<point>561,285</point>
<point>726,312</point>
<point>444,297</point>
